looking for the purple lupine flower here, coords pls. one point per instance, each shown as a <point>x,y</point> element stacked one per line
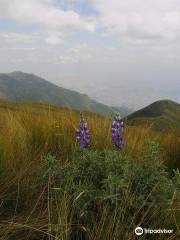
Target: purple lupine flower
<point>83,134</point>
<point>118,132</point>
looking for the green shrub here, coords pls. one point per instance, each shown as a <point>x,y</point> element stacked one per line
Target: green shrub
<point>176,197</point>
<point>108,175</point>
<point>107,179</point>
<point>150,180</point>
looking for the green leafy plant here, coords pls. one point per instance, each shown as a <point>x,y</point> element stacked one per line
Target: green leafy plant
<point>50,166</point>
<point>131,189</point>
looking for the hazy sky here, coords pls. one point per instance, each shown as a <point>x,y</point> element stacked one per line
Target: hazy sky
<point>117,51</point>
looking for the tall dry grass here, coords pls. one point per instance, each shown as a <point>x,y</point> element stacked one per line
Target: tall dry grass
<point>28,132</point>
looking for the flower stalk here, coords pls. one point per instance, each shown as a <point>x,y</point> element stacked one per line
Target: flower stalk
<point>83,133</point>
<point>118,132</point>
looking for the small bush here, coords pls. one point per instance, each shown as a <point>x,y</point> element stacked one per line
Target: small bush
<point>131,189</point>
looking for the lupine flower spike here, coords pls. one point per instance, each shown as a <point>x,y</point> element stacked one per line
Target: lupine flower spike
<point>83,134</point>
<point>118,132</point>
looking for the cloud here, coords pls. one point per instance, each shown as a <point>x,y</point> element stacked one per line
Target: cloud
<point>79,54</point>
<point>14,37</point>
<point>145,18</point>
<point>20,49</point>
<point>131,19</point>
<point>45,14</point>
<point>54,40</point>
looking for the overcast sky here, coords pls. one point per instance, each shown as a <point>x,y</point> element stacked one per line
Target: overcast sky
<point>117,51</point>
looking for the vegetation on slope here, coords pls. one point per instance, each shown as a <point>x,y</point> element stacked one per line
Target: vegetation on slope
<point>162,115</point>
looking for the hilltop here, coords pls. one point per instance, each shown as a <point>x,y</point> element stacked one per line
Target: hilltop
<point>23,87</point>
<point>161,115</point>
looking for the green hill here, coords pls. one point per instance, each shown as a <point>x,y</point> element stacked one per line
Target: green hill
<point>161,115</point>
<point>23,87</point>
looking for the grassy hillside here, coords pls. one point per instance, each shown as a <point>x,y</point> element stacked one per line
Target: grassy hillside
<point>162,115</point>
<point>23,87</point>
<point>30,209</point>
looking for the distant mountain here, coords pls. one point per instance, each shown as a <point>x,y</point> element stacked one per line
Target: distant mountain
<point>23,87</point>
<point>161,115</point>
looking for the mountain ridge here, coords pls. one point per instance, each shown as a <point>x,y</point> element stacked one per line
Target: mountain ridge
<point>161,115</point>
<point>19,86</point>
